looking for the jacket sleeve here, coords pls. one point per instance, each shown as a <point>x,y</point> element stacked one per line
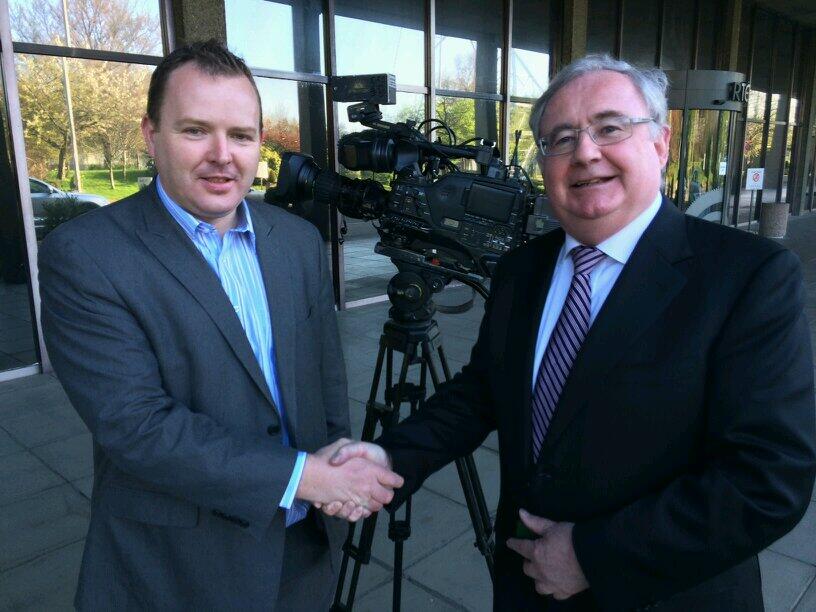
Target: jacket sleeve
<point>106,365</point>
<point>755,482</point>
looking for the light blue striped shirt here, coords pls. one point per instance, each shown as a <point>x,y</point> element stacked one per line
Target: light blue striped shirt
<point>234,260</point>
<point>617,248</point>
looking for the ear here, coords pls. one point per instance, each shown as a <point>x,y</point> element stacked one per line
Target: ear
<point>662,145</point>
<point>149,130</point>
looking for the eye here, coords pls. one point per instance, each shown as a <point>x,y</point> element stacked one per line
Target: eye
<point>562,138</point>
<point>609,128</point>
<point>193,131</point>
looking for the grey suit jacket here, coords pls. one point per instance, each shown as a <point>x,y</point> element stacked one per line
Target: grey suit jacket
<point>189,467</point>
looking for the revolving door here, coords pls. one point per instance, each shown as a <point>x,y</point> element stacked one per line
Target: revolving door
<point>702,161</point>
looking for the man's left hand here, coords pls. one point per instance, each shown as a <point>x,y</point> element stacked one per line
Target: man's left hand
<point>550,560</point>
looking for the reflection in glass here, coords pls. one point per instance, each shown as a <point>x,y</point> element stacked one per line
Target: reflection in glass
<point>128,26</point>
<point>672,175</point>
<point>530,54</point>
<point>277,35</point>
<point>408,106</point>
<point>294,119</point>
<point>529,73</point>
<point>468,45</point>
<point>469,118</point>
<point>707,158</point>
<point>787,167</point>
<point>751,150</point>
<point>17,335</point>
<point>756,104</point>
<point>381,36</point>
<point>108,101</point>
<point>527,149</point>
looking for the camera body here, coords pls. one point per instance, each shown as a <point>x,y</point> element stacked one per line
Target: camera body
<point>435,216</point>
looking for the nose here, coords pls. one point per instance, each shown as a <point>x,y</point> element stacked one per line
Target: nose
<point>586,151</point>
<point>219,151</point>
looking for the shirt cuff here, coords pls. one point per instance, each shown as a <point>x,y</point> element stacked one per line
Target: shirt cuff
<point>289,495</point>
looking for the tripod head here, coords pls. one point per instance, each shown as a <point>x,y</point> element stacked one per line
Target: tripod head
<point>410,291</point>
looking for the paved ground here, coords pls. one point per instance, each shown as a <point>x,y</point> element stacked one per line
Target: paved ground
<point>46,469</point>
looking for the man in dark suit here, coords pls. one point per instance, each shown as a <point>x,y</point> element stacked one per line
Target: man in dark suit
<point>649,374</point>
<point>196,336</point>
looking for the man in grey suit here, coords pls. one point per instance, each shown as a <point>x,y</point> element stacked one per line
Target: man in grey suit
<point>195,334</point>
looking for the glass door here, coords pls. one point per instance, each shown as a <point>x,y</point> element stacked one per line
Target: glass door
<point>697,171</point>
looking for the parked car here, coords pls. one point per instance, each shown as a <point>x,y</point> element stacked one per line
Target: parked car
<point>45,197</point>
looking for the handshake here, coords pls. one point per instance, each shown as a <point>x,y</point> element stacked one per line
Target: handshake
<point>348,479</point>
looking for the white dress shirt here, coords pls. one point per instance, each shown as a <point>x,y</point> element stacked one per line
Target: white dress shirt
<point>617,249</point>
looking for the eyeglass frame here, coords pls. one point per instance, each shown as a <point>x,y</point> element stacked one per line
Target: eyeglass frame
<point>633,121</point>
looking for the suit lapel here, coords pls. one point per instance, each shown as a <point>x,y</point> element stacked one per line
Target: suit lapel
<point>172,247</point>
<point>276,269</point>
<point>646,286</point>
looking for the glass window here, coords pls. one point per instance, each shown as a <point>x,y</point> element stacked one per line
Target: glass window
<point>530,55</point>
<point>752,149</point>
<point>640,27</point>
<point>128,26</point>
<point>294,119</point>
<point>277,35</point>
<point>602,25</point>
<point>408,106</point>
<point>376,36</point>
<point>468,45</point>
<point>18,347</point>
<point>786,170</point>
<point>527,148</point>
<point>469,118</point>
<point>678,35</point>
<point>108,101</point>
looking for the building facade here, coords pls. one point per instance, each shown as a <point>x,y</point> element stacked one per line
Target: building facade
<point>75,74</point>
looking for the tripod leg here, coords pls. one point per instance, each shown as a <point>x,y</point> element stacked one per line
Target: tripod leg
<point>468,476</point>
<point>362,552</point>
<point>400,530</point>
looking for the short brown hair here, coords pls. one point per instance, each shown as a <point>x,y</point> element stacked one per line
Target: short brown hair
<point>211,57</point>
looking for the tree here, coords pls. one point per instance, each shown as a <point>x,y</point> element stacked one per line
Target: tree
<point>108,97</point>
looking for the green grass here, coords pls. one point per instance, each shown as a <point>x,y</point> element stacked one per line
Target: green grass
<point>98,182</point>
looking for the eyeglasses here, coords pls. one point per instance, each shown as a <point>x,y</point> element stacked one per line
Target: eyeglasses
<point>606,131</point>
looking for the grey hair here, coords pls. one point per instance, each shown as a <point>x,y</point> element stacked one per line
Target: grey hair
<point>652,84</point>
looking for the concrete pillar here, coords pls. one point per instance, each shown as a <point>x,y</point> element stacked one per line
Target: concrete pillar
<point>728,49</point>
<point>804,152</point>
<point>197,20</point>
<point>573,33</point>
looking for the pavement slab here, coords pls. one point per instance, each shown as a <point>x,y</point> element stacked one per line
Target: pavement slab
<point>784,580</point>
<point>23,475</point>
<point>45,583</point>
<point>41,523</point>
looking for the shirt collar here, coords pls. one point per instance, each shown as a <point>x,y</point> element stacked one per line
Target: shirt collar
<point>620,245</point>
<point>190,224</point>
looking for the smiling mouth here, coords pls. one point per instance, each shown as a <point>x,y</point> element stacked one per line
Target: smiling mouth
<point>594,181</point>
<point>217,179</point>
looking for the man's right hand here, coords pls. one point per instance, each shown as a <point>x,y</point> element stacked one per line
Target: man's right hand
<point>351,483</point>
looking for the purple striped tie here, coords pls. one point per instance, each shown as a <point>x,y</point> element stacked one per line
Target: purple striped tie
<point>567,337</point>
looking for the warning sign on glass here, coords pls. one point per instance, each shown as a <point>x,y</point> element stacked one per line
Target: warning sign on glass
<point>755,178</point>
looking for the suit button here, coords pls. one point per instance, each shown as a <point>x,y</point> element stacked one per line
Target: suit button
<point>273,430</point>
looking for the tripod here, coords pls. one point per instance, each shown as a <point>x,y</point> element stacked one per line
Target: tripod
<point>412,331</point>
